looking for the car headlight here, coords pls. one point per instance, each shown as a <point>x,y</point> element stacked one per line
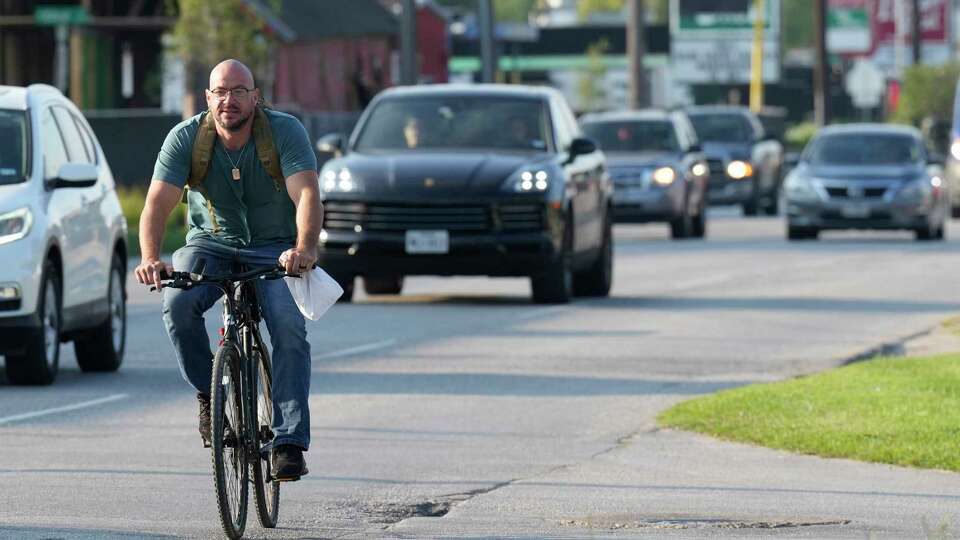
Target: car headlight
<point>528,181</point>
<point>955,149</point>
<point>739,169</point>
<point>918,190</point>
<point>15,225</point>
<point>664,176</point>
<point>800,188</point>
<point>339,180</point>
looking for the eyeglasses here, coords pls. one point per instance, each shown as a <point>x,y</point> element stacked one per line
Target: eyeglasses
<point>239,92</point>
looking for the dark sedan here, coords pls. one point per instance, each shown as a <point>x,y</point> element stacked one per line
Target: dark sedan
<point>468,180</point>
<point>867,176</point>
<point>745,162</point>
<point>657,167</point>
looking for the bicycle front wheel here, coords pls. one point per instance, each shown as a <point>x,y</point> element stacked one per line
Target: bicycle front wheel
<point>230,471</point>
<point>266,490</point>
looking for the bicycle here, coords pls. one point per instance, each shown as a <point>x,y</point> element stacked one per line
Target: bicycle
<point>241,424</point>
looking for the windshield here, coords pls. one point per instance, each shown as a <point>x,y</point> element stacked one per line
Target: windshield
<point>864,149</point>
<point>722,127</point>
<point>13,148</point>
<point>463,122</point>
<point>633,136</point>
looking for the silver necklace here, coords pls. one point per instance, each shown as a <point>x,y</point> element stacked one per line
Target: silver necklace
<point>236,166</point>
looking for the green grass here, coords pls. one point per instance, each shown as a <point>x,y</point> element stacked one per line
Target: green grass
<point>901,411</point>
<point>131,200</point>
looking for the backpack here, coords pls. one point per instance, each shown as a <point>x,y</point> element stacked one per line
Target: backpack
<point>203,153</point>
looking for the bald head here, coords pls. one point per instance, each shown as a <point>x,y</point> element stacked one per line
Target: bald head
<point>230,73</point>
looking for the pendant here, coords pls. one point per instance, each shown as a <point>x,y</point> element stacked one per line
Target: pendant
<point>236,173</point>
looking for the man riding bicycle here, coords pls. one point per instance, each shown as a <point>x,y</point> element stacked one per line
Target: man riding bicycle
<point>253,199</point>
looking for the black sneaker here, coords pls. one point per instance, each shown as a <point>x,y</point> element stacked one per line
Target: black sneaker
<point>288,464</point>
<point>204,416</point>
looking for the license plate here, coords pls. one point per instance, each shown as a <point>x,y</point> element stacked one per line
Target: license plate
<point>428,242</point>
<point>855,211</point>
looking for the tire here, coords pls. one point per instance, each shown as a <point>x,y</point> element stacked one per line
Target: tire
<point>346,283</point>
<point>955,211</point>
<point>751,206</point>
<point>681,227</point>
<point>802,233</point>
<point>266,491</point>
<point>230,472</point>
<point>555,284</point>
<point>389,284</point>
<point>40,359</point>
<point>699,223</point>
<point>101,348</point>
<point>598,279</point>
<point>773,207</point>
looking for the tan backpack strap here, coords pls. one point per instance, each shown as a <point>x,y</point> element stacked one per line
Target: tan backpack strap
<point>202,150</point>
<point>266,150</point>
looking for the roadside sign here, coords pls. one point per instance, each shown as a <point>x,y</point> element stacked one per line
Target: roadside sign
<point>865,84</point>
<point>60,15</point>
<point>726,18</point>
<point>848,26</point>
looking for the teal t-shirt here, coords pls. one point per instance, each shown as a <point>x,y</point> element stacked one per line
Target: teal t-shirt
<point>249,212</point>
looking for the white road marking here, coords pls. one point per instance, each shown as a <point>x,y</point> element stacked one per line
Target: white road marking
<point>65,408</point>
<point>539,312</point>
<point>359,349</point>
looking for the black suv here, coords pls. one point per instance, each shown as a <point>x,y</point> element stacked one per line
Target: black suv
<point>468,180</point>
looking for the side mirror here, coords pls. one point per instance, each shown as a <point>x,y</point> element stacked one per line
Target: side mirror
<point>695,148</point>
<point>76,175</point>
<point>331,143</point>
<point>581,146</point>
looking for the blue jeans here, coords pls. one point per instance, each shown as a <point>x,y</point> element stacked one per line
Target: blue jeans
<point>183,315</point>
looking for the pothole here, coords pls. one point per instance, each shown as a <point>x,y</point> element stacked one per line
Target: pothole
<point>395,513</point>
<point>628,522</point>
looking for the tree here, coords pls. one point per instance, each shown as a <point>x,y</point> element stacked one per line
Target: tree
<point>591,84</point>
<point>656,9</point>
<point>797,19</point>
<point>208,32</point>
<point>927,94</point>
<point>504,10</point>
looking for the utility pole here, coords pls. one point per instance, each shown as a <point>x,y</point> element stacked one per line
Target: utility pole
<point>821,80</point>
<point>756,58</point>
<point>488,51</point>
<point>915,34</point>
<point>408,43</point>
<point>639,92</point>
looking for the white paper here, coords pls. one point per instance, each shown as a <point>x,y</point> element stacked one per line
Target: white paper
<point>314,292</point>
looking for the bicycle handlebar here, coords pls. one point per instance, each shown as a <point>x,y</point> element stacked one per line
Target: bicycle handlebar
<point>186,280</point>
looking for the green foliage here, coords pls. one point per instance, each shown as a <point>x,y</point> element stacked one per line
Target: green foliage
<point>800,134</point>
<point>503,10</point>
<point>927,91</point>
<point>797,16</point>
<point>656,9</point>
<point>590,85</point>
<point>901,411</point>
<point>209,32</point>
<point>131,201</point>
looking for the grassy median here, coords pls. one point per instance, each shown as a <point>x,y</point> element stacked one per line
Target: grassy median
<point>131,199</point>
<point>901,411</point>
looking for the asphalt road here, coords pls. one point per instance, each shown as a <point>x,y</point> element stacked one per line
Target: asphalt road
<point>459,409</point>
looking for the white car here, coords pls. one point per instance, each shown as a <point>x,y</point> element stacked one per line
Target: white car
<point>63,250</point>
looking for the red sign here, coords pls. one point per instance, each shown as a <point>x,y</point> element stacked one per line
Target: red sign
<point>884,19</point>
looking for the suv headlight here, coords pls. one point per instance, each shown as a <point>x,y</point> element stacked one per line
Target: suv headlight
<point>799,188</point>
<point>339,180</point>
<point>528,181</point>
<point>15,225</point>
<point>739,169</point>
<point>663,176</point>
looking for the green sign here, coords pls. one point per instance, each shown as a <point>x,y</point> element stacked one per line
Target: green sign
<point>60,15</point>
<point>722,19</point>
<point>848,18</point>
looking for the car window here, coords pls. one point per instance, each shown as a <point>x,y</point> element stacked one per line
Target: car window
<point>14,142</point>
<point>54,154</point>
<point>87,138</point>
<point>76,150</point>
<point>864,149</point>
<point>633,135</point>
<point>722,127</point>
<point>462,122</point>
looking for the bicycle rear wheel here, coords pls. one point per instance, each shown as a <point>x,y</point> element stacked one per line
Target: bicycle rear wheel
<point>266,490</point>
<point>230,471</point>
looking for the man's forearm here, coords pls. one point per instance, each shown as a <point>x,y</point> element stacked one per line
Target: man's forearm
<point>309,219</point>
<point>152,225</point>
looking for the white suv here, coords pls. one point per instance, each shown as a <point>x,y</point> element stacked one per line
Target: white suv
<point>63,251</point>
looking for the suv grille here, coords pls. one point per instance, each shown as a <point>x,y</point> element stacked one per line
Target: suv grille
<point>458,219</point>
<point>844,193</point>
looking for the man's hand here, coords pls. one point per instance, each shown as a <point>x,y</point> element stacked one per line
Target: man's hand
<point>298,260</point>
<point>148,272</point>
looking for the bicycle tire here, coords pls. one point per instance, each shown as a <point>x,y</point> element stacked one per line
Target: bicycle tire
<point>266,490</point>
<point>230,471</point>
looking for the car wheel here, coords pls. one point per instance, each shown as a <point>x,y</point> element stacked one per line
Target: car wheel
<point>101,348</point>
<point>40,360</point>
<point>773,207</point>
<point>751,206</point>
<point>681,227</point>
<point>802,233</point>
<point>955,211</point>
<point>555,284</point>
<point>597,280</point>
<point>392,284</point>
